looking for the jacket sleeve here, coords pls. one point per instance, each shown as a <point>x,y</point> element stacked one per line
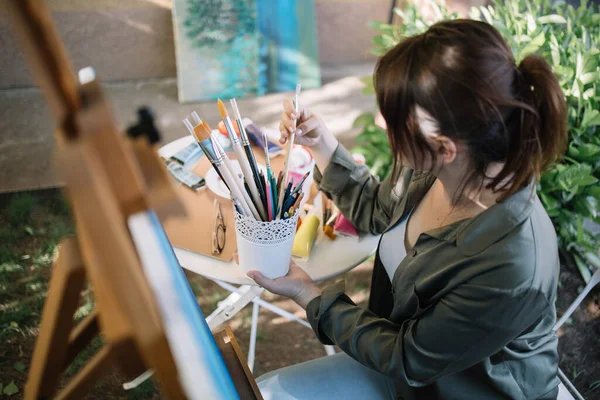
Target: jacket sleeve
<point>461,329</point>
<point>366,202</point>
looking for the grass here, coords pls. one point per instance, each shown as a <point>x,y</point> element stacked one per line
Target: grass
<point>593,388</point>
<point>32,225</point>
<point>19,209</point>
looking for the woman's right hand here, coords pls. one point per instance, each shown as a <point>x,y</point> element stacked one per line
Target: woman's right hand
<point>310,130</point>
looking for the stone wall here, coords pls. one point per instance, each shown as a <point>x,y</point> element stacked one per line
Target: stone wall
<point>133,39</point>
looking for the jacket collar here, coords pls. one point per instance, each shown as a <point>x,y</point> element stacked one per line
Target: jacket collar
<point>499,220</point>
<point>417,184</point>
<point>474,235</point>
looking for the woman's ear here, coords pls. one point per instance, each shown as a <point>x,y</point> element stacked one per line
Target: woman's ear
<point>445,149</point>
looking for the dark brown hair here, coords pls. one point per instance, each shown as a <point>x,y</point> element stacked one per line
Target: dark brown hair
<point>463,74</point>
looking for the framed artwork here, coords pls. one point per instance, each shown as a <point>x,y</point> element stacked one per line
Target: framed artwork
<point>241,48</point>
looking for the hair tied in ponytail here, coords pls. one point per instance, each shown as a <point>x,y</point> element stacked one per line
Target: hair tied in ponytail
<point>544,115</point>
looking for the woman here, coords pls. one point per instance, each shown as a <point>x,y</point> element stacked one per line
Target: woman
<point>464,283</point>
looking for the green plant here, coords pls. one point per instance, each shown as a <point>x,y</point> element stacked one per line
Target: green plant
<point>569,39</point>
<point>18,211</point>
<point>372,143</point>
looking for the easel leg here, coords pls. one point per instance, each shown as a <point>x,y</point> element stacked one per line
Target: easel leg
<point>57,321</point>
<point>85,379</point>
<point>81,336</point>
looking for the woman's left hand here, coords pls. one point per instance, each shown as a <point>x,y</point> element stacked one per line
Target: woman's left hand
<point>296,285</point>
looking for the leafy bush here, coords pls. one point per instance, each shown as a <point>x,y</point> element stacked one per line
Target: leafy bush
<point>569,39</point>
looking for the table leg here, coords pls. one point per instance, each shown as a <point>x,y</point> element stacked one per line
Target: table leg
<point>252,347</point>
<point>329,350</point>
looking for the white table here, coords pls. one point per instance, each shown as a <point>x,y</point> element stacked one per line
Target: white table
<point>327,259</point>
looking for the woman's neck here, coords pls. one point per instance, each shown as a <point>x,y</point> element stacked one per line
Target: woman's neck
<point>451,179</point>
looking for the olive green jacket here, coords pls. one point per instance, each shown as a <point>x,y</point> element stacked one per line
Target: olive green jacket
<point>470,310</point>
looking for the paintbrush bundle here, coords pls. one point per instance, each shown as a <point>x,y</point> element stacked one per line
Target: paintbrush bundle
<point>262,196</point>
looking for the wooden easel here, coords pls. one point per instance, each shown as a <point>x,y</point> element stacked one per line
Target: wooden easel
<point>108,178</point>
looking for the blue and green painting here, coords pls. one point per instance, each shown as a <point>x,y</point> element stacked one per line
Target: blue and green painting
<point>240,48</point>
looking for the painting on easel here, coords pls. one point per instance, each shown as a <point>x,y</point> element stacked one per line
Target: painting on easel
<point>241,48</point>
<point>201,368</point>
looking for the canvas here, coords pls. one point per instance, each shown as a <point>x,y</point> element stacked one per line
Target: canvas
<point>289,52</point>
<point>201,369</point>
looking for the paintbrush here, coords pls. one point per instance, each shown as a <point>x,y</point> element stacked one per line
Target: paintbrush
<point>279,179</point>
<point>263,185</point>
<point>205,145</point>
<point>238,207</point>
<point>267,158</point>
<point>203,141</point>
<point>247,148</point>
<point>289,202</point>
<point>237,191</point>
<point>269,194</point>
<point>286,195</point>
<point>332,216</point>
<point>243,160</point>
<point>327,207</point>
<point>299,185</point>
<point>246,186</point>
<point>295,206</point>
<point>328,228</point>
<point>271,184</point>
<point>228,173</point>
<point>290,146</point>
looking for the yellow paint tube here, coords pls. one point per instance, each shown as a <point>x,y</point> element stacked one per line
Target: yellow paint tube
<point>306,236</point>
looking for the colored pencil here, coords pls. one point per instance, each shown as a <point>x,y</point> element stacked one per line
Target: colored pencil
<point>269,200</point>
<point>290,201</point>
<point>275,198</point>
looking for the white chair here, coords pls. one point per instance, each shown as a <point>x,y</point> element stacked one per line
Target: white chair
<point>566,390</point>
